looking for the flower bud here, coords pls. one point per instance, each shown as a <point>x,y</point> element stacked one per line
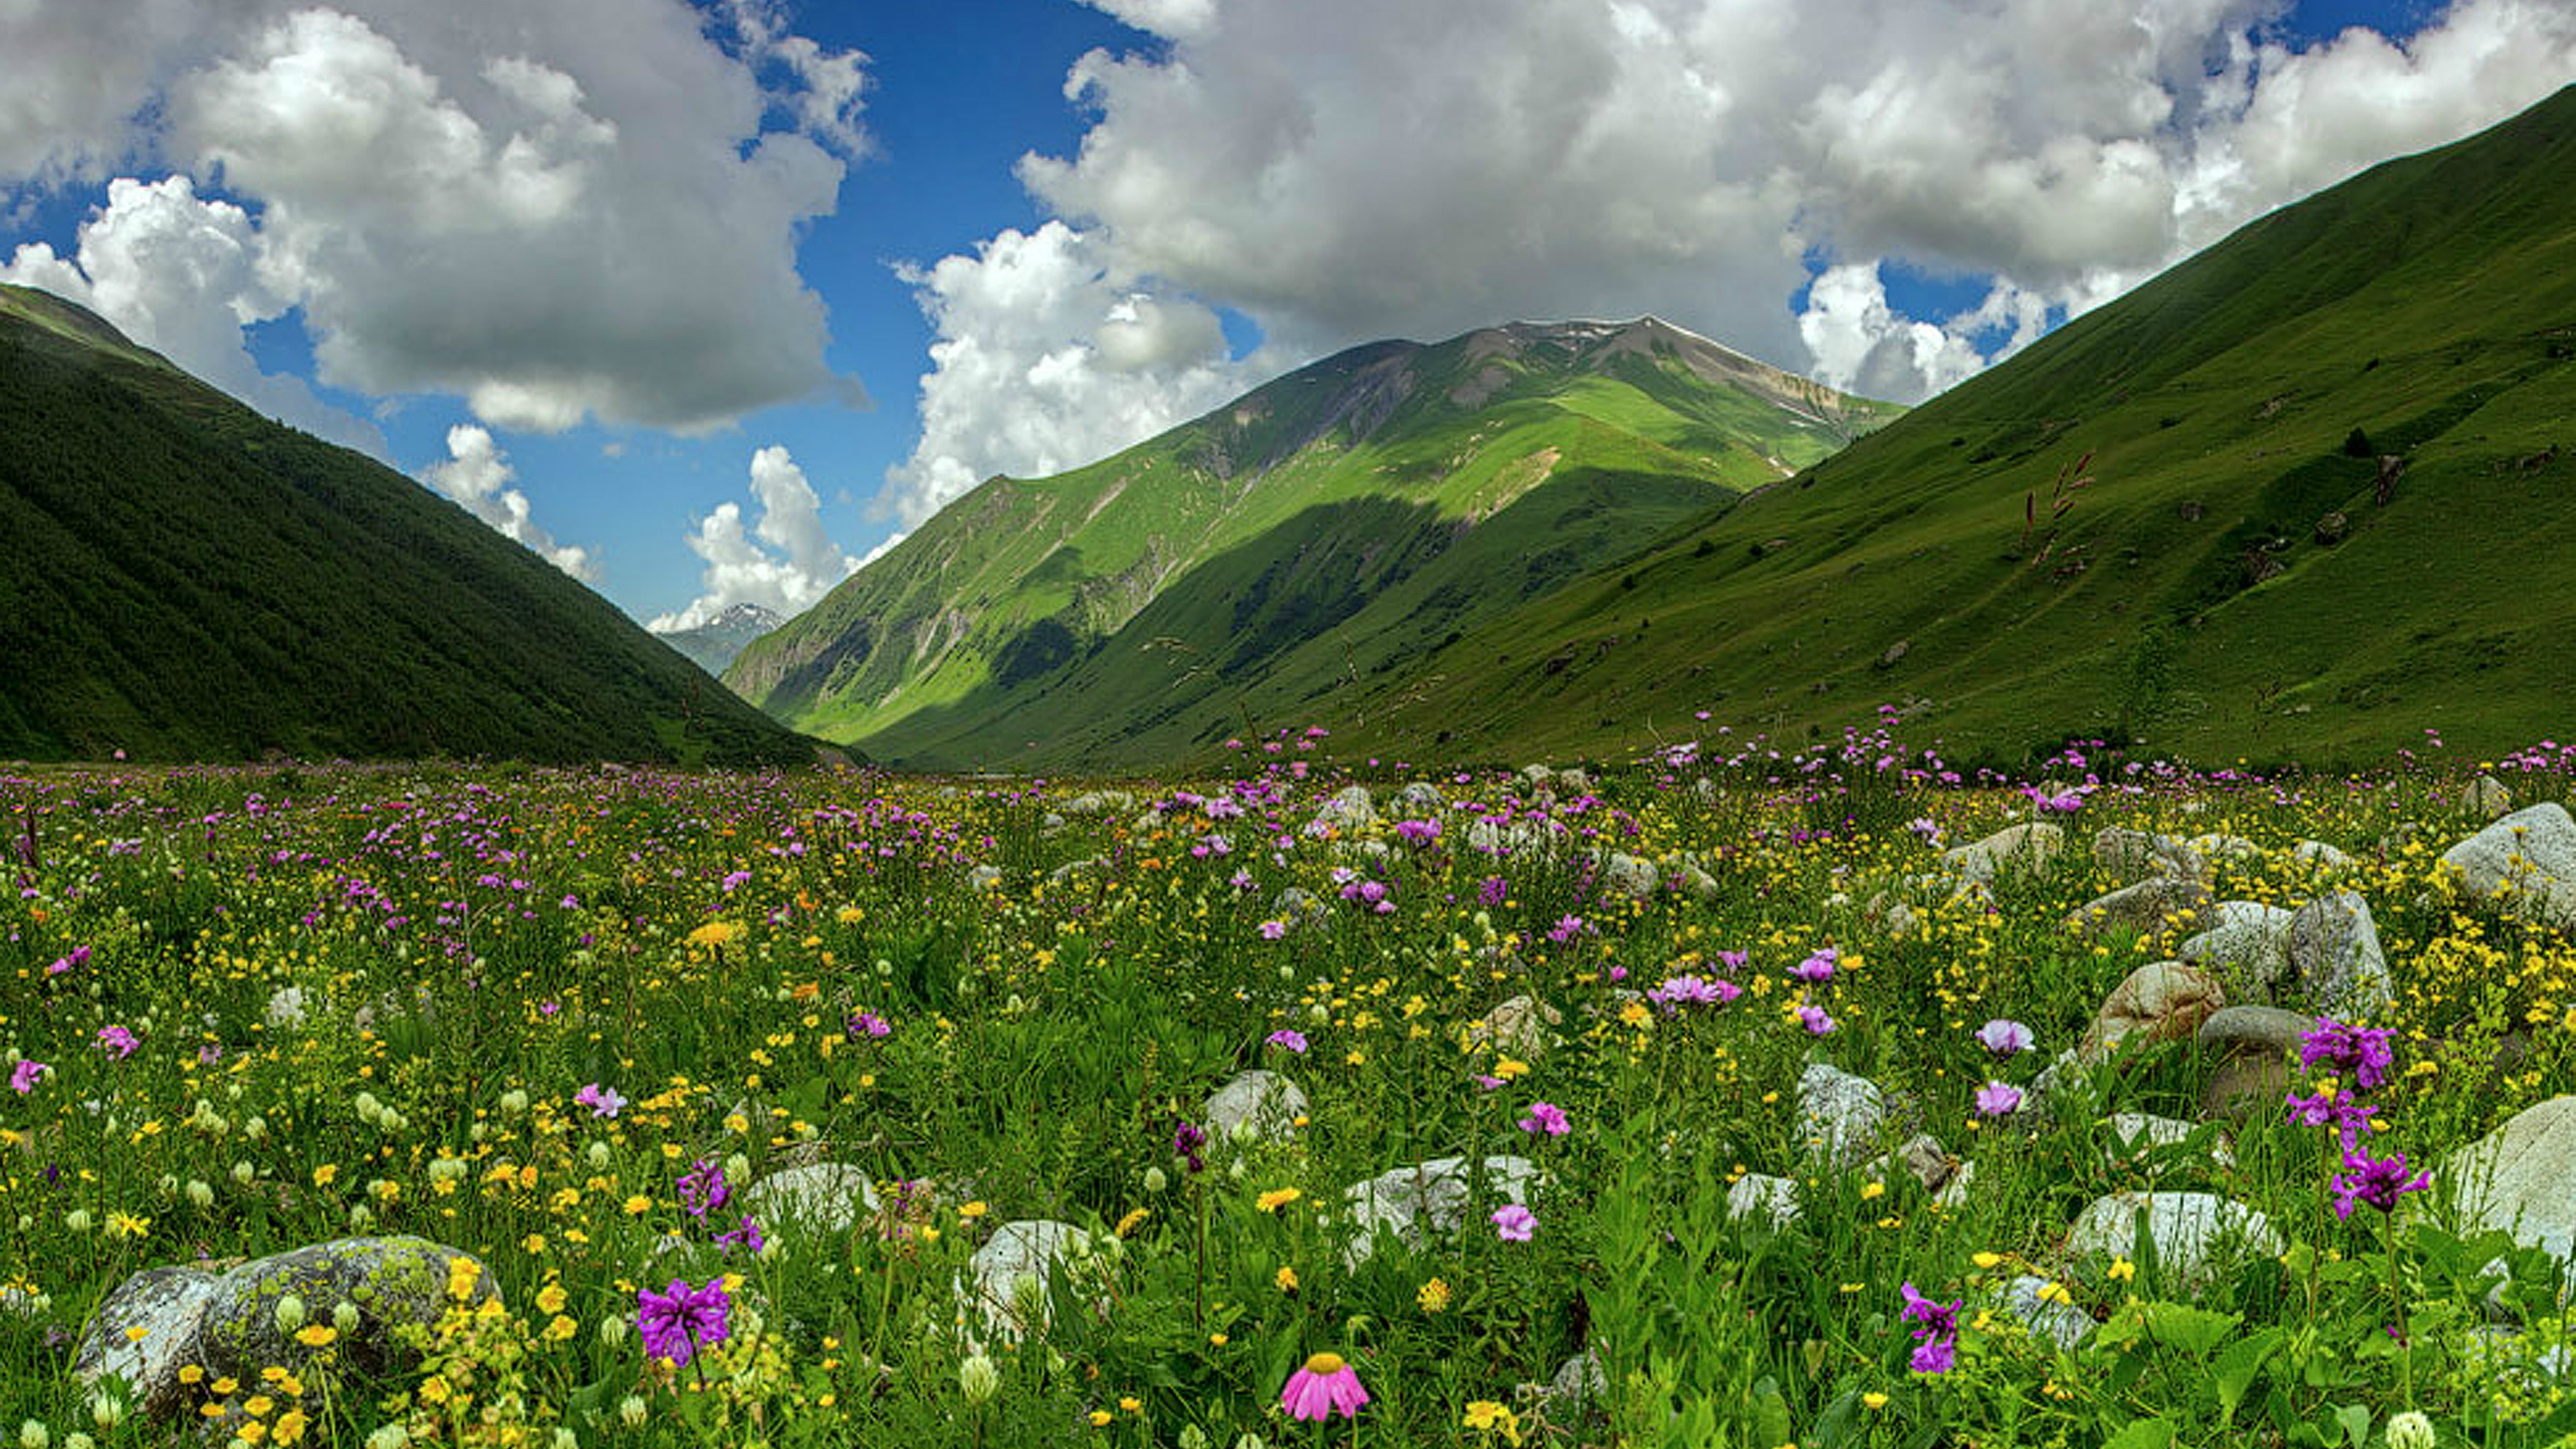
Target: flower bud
<point>289,1314</point>
<point>1155,1181</point>
<point>2410,1430</point>
<point>201,1194</point>
<point>391,1436</point>
<point>33,1435</point>
<point>345,1318</point>
<point>631,1408</point>
<point>978,1379</point>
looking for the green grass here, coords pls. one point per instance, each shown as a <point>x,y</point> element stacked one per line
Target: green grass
<point>188,580</point>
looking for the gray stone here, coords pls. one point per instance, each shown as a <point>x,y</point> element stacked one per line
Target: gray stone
<point>2334,946</point>
<point>2247,947</point>
<point>1842,1115</point>
<point>1100,802</point>
<point>2193,1232</point>
<point>1423,798</point>
<point>984,877</point>
<point>166,1304</point>
<point>1775,1198</point>
<point>1256,1105</point>
<point>1409,1203</point>
<point>2487,798</point>
<point>1349,811</point>
<point>2031,1301</point>
<point>2231,849</point>
<point>2528,858</point>
<point>2132,856</point>
<point>1954,1193</point>
<point>1921,1156</point>
<point>1697,884</point>
<point>1574,782</point>
<point>822,1197</point>
<point>2014,850</point>
<point>2320,855</point>
<point>2521,1178</point>
<point>2144,1132</point>
<point>2247,1085</point>
<point>2160,1001</point>
<point>1577,1382</point>
<point>1636,876</point>
<point>1029,1248</point>
<point>2261,1030</point>
<point>2145,908</point>
<point>1519,1026</point>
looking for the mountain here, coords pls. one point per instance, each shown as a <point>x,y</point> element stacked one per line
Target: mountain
<point>1329,527</point>
<point>712,645</point>
<point>2333,464</point>
<point>188,580</point>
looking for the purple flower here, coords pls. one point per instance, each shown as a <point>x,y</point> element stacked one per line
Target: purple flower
<point>1186,1142</point>
<point>866,1023</point>
<point>680,1320</point>
<point>1492,891</point>
<point>704,1189</point>
<point>1489,1083</point>
<point>1936,1342</point>
<point>2349,1118</point>
<point>1814,1019</point>
<point>1565,929</point>
<point>1289,1037</point>
<point>748,1235</point>
<point>1514,1223</point>
<point>2376,1181</point>
<point>24,1076</point>
<point>1548,1118</point>
<point>1272,930</point>
<point>79,957</point>
<point>117,1041</point>
<point>2004,1038</point>
<point>2360,1050</point>
<point>1681,991</point>
<point>1995,1099</point>
<point>1417,832</point>
<point>1818,968</point>
<point>602,1101</point>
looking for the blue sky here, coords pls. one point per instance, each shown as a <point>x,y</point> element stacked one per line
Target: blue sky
<point>1265,182</point>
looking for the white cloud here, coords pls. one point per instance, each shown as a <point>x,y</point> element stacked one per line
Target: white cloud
<point>785,562</point>
<point>177,273</point>
<point>1341,170</point>
<point>478,475</point>
<point>586,208</point>
<point>885,545</point>
<point>1048,358</point>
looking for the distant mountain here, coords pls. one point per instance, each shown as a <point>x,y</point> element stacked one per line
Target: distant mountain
<point>185,579</point>
<point>712,645</point>
<point>2333,481</point>
<point>1325,530</point>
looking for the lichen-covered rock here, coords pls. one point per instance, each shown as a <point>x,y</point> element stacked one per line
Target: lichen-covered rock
<point>1775,1198</point>
<point>1636,876</point>
<point>2194,1233</point>
<point>1519,1026</point>
<point>2318,854</point>
<point>2522,1178</point>
<point>1348,812</point>
<point>1841,1116</point>
<point>164,1305</point>
<point>1422,798</point>
<point>823,1198</point>
<point>1014,1273</point>
<point>2013,850</point>
<point>2227,849</point>
<point>2487,798</point>
<point>2334,946</point>
<point>2042,1307</point>
<point>2527,861</point>
<point>2150,906</point>
<point>2132,856</point>
<point>1409,1203</point>
<point>2246,946</point>
<point>2132,1135</point>
<point>2160,1001</point>
<point>1921,1157</point>
<point>1256,1105</point>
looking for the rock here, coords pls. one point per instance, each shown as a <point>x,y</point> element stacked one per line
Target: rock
<point>2247,947</point>
<point>2132,856</point>
<point>2160,1001</point>
<point>2144,908</point>
<point>1697,884</point>
<point>227,1322</point>
<point>1298,907</point>
<point>823,1198</point>
<point>1100,802</point>
<point>1639,878</point>
<point>166,1303</point>
<point>2487,798</point>
<point>1537,774</point>
<point>1349,811</point>
<point>1898,922</point>
<point>1430,1197</point>
<point>2193,1232</point>
<point>2247,1085</point>
<point>2013,850</point>
<point>2529,857</point>
<point>1895,652</point>
<point>984,877</point>
<point>2233,849</point>
<point>1074,869</point>
<point>1422,798</point>
<point>2334,946</point>
<point>2517,1178</point>
<point>1029,1248</point>
<point>2320,855</point>
<point>1255,1105</point>
<point>1843,1114</point>
<point>1954,1193</point>
<point>1539,836</point>
<point>1518,1027</point>
<point>2034,1302</point>
<point>1574,782</point>
<point>2258,1030</point>
<point>2333,528</point>
<point>1922,1156</point>
<point>1576,1382</point>
<point>2144,1132</point>
<point>1775,1198</point>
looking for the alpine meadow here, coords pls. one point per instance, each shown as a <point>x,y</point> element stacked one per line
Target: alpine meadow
<point>1212,724</point>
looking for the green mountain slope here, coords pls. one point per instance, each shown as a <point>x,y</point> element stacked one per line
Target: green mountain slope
<point>1332,525</point>
<point>187,580</point>
<point>2236,580</point>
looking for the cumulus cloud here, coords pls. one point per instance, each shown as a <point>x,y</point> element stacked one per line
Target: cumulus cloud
<point>587,208</point>
<point>785,561</point>
<point>178,273</point>
<point>1049,356</point>
<point>1341,170</point>
<point>477,475</point>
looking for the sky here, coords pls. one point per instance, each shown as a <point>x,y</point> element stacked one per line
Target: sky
<point>712,302</point>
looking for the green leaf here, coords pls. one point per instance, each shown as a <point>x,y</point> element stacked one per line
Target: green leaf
<point>1770,1414</point>
<point>2355,1419</point>
<point>2144,1434</point>
<point>2192,1330</point>
<point>2237,1369</point>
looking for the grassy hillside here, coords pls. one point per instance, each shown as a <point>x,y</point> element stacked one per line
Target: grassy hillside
<point>187,580</point>
<point>1328,527</point>
<point>2234,580</point>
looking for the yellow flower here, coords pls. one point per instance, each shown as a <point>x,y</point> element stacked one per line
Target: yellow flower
<point>638,1205</point>
<point>1485,1416</point>
<point>1874,1400</point>
<point>1986,1260</point>
<point>122,1224</point>
<point>1434,1296</point>
<point>715,933</point>
<point>1217,1340</point>
<point>975,1209</point>
<point>290,1427</point>
<point>561,1329</point>
<point>1511,1068</point>
<point>316,1335</point>
<point>1277,1198</point>
<point>1100,1418</point>
<point>461,1276</point>
<point>2122,1270</point>
<point>1286,1278</point>
<point>1131,1404</point>
<point>322,1175</point>
<point>550,1298</point>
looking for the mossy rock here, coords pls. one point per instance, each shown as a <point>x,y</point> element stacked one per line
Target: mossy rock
<point>393,1282</point>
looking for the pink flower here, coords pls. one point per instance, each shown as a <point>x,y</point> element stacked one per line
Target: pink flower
<point>24,1077</point>
<point>1814,1019</point>
<point>1546,1117</point>
<point>1324,1387</point>
<point>1996,1099</point>
<point>1514,1223</point>
<point>117,1040</point>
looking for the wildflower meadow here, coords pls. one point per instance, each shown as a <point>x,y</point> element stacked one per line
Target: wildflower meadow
<point>1729,1096</point>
